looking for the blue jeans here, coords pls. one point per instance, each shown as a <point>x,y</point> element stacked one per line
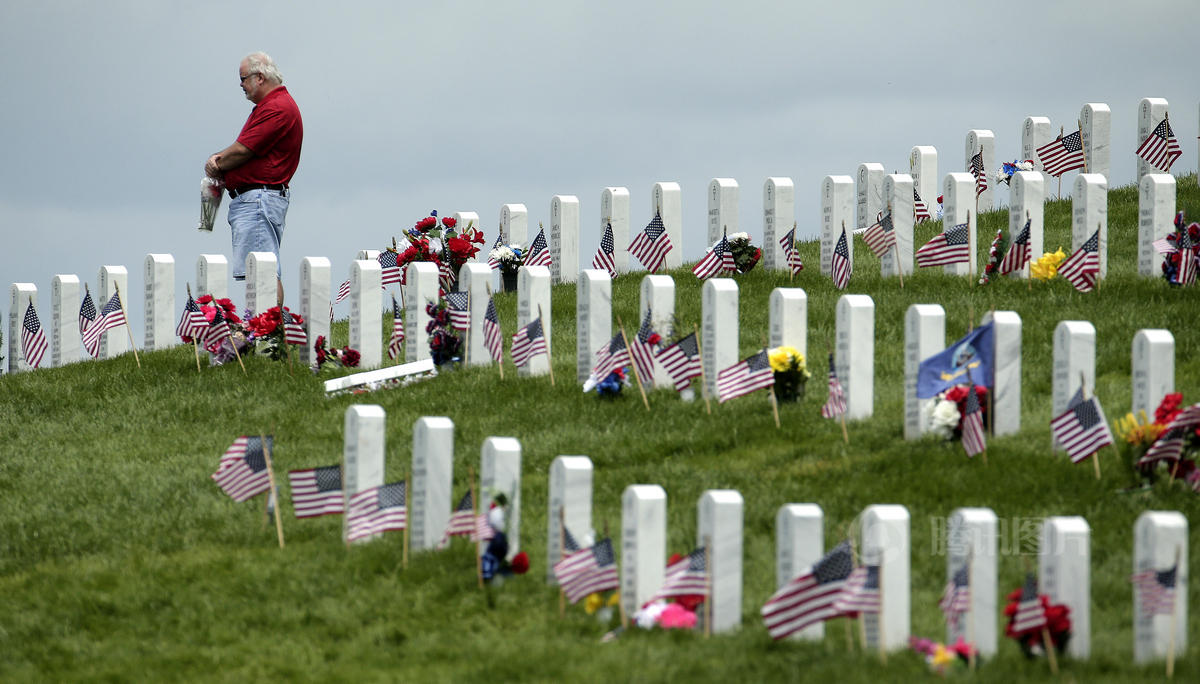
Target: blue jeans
<point>256,218</point>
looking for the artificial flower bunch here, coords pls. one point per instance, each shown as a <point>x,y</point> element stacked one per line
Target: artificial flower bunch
<point>612,385</point>
<point>677,612</point>
<point>268,327</point>
<point>791,372</point>
<point>1005,173</point>
<point>1045,267</point>
<point>344,357</point>
<point>222,350</point>
<point>1174,255</point>
<point>445,345</point>
<point>995,256</point>
<point>1031,641</point>
<point>944,415</point>
<point>1139,436</point>
<point>510,257</point>
<point>461,245</point>
<point>601,607</point>
<point>745,254</point>
<point>940,656</point>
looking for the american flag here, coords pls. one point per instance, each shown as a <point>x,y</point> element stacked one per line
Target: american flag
<point>745,376</point>
<point>836,404</point>
<point>652,244</point>
<point>462,520</point>
<point>809,598</point>
<point>446,275</point>
<point>1160,149</point>
<point>568,540</point>
<point>641,350</point>
<point>610,357</point>
<point>1030,614</point>
<point>948,247</point>
<point>719,259</point>
<point>390,271</point>
<point>1156,590</point>
<point>539,252</point>
<point>1186,275</point>
<point>293,332</point>
<point>1082,267</point>
<point>1082,428</point>
<point>956,597</point>
<point>881,236</point>
<point>973,439</point>
<point>483,530</point>
<point>317,491</point>
<point>604,253</point>
<point>682,361</point>
<point>1169,445</point>
<point>111,316</point>
<point>861,593</point>
<point>790,254</point>
<point>33,338</point>
<point>977,170</point>
<point>458,304</point>
<point>87,316</point>
<point>1018,252</point>
<point>396,341</point>
<point>528,342</point>
<point>1062,154</point>
<point>687,576</point>
<point>920,209</point>
<point>343,291</point>
<point>191,323</point>
<point>493,262</point>
<point>376,510</point>
<point>492,339</point>
<point>218,330</point>
<point>588,571</point>
<point>840,263</point>
<point>242,472</point>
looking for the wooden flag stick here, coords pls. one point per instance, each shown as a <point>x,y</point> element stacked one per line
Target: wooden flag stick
<point>703,382</point>
<point>236,352</point>
<point>117,289</point>
<point>708,587</point>
<point>407,489</point>
<point>500,362</point>
<point>771,389</point>
<point>478,541</point>
<point>195,341</point>
<point>1048,644</point>
<point>1174,619</point>
<point>636,376</point>
<point>271,480</point>
<point>546,341</point>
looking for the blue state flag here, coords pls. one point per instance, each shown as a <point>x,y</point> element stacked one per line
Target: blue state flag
<point>950,367</point>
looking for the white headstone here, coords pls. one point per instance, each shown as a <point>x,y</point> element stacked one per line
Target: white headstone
<point>924,336</point>
<point>1064,575</point>
<point>779,210</point>
<point>837,210</point>
<point>614,208</point>
<point>1089,211</point>
<point>1074,362</point>
<point>1035,132</point>
<point>212,276</point>
<point>1096,132</point>
<point>898,194</point>
<point>474,279</point>
<point>977,138</point>
<point>366,321</point>
<point>868,195</point>
<point>593,319</point>
<point>1028,194</point>
<point>1160,540</point>
<point>465,219</point>
<point>799,542</point>
<point>1156,220</point>
<point>500,473</point>
<point>363,452</point>
<point>885,542</point>
<point>262,283</point>
<point>643,544</point>
<point>719,528</point>
<point>533,301</point>
<point>160,302</point>
<point>722,208</point>
<point>421,288</point>
<point>922,166</point>
<point>367,254</point>
<point>432,475</point>
<point>1006,390</point>
<point>1151,111</point>
<point>719,346</point>
<point>514,224</point>
<point>63,333</point>
<point>958,204</point>
<point>972,540</point>
<point>315,282</point>
<point>115,341</point>
<point>20,297</point>
<point>789,319</point>
<point>855,360</point>
<point>570,493</point>
<point>658,297</point>
<point>564,239</point>
<point>668,198</point>
<point>1153,369</point>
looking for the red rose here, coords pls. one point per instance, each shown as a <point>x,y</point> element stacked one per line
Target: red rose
<point>520,563</point>
<point>350,357</point>
<point>426,223</point>
<point>655,339</point>
<point>449,222</point>
<point>204,299</point>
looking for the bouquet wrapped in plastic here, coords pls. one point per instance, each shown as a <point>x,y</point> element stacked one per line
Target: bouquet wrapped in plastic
<point>211,191</point>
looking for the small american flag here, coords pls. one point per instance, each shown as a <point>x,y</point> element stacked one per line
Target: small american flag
<point>840,263</point>
<point>33,338</point>
<point>242,471</point>
<point>396,341</point>
<point>790,254</point>
<point>483,529</point>
<point>1082,267</point>
<point>87,314</point>
<point>111,316</point>
<point>682,361</point>
<point>604,253</point>
<point>809,598</point>
<point>881,236</point>
<point>191,323</point>
<point>1160,149</point>
<point>1018,252</point>
<point>1156,590</point>
<point>745,376</point>
<point>317,491</point>
<point>492,338</point>
<point>376,510</point>
<point>610,357</point>
<point>1062,154</point>
<point>973,439</point>
<point>1082,429</point>
<point>836,404</point>
<point>539,252</point>
<point>218,330</point>
<point>652,244</point>
<point>493,262</point>
<point>446,275</point>
<point>947,247</point>
<point>641,350</point>
<point>719,259</point>
<point>685,577</point>
<point>528,342</point>
<point>920,209</point>
<point>1186,275</point>
<point>977,170</point>
<point>1030,614</point>
<point>588,571</point>
<point>462,520</point>
<point>861,593</point>
<point>293,332</point>
<point>956,597</point>
<point>343,291</point>
<point>390,271</point>
<point>458,304</point>
<point>1169,446</point>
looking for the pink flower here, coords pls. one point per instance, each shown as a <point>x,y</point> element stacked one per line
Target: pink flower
<point>675,616</point>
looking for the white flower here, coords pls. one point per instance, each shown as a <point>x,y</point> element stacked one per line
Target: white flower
<point>738,236</point>
<point>1025,166</point>
<point>945,418</point>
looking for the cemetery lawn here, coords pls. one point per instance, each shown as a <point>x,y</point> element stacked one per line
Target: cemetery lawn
<point>121,560</point>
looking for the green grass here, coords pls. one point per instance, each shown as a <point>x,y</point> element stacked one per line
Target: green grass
<point>121,560</point>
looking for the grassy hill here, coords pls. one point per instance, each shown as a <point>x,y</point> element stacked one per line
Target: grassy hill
<point>120,559</point>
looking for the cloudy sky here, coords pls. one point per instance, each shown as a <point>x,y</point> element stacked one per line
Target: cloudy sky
<point>111,108</point>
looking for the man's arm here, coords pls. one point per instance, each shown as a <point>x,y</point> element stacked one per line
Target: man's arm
<point>229,158</point>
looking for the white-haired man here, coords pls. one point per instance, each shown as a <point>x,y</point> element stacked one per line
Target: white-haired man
<point>258,167</point>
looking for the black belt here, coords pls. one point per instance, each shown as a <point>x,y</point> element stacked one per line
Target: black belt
<point>280,188</point>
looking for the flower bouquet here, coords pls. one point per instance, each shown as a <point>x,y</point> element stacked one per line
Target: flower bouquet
<point>939,656</point>
<point>791,373</point>
<point>1167,445</point>
<point>995,256</point>
<point>1032,641</point>
<point>323,354</point>
<point>944,415</point>
<point>510,258</point>
<point>445,345</point>
<point>1045,267</point>
<point>268,328</point>
<point>211,192</point>
<point>1005,173</point>
<point>745,254</point>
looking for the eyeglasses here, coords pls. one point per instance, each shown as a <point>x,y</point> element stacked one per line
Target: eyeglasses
<point>242,79</point>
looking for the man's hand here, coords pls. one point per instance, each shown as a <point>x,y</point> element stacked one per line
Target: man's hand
<point>212,167</point>
<point>229,158</point>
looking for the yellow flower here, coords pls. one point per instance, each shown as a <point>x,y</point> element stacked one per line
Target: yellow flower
<point>1046,267</point>
<point>942,656</point>
<point>785,358</point>
<point>593,603</point>
<point>614,599</point>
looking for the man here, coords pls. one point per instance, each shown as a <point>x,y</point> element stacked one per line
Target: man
<point>259,165</point>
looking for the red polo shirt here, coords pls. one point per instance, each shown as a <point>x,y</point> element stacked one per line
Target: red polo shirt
<point>273,132</point>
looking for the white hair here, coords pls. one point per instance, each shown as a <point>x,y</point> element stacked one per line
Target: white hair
<point>262,64</point>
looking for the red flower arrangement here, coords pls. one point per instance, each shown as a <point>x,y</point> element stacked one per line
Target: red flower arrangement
<point>208,306</point>
<point>345,357</point>
<point>1058,623</point>
<point>439,242</point>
